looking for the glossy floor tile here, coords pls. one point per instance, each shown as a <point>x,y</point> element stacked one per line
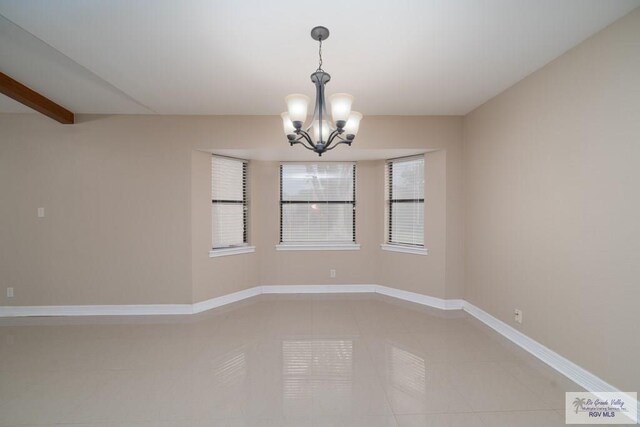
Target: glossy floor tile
<point>288,360</point>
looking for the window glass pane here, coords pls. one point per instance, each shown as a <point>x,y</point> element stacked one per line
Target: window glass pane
<point>228,224</point>
<point>229,204</point>
<point>408,223</point>
<point>408,179</point>
<point>317,203</point>
<point>317,222</point>
<point>227,180</point>
<point>317,182</point>
<point>405,201</point>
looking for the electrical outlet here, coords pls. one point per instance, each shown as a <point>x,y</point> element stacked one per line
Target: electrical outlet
<point>9,292</point>
<point>332,273</point>
<point>517,315</point>
<point>40,212</point>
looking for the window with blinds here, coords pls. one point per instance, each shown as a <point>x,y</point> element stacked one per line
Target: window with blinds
<point>317,203</point>
<point>405,201</point>
<point>229,210</point>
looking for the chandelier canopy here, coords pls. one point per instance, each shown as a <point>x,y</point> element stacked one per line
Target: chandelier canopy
<point>327,134</point>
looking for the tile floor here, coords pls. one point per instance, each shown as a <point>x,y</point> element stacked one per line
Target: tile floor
<point>276,360</point>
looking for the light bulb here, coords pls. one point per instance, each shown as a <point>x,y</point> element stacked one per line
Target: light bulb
<point>340,107</point>
<point>316,131</point>
<point>297,106</point>
<point>353,124</point>
<point>287,124</point>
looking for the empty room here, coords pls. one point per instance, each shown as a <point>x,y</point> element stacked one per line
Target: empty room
<point>329,214</point>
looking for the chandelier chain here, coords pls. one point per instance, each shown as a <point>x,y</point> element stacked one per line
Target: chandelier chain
<point>320,56</point>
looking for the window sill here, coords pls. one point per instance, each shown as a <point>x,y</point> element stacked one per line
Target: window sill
<point>318,247</point>
<point>213,253</point>
<point>404,249</point>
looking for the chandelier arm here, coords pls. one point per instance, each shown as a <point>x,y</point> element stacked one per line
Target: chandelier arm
<point>341,140</point>
<point>306,136</point>
<point>346,141</point>
<point>303,138</point>
<point>302,142</point>
<point>332,136</point>
<point>338,143</point>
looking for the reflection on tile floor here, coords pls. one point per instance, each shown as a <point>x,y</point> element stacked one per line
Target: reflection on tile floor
<point>288,360</point>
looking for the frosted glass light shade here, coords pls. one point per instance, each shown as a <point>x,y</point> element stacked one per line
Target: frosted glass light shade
<point>287,124</point>
<point>353,124</point>
<point>297,104</point>
<point>316,131</point>
<point>340,106</point>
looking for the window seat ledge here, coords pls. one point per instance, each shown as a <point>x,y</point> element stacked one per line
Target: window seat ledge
<point>404,249</point>
<point>318,247</point>
<point>213,253</point>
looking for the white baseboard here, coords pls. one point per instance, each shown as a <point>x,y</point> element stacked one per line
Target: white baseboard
<point>453,304</point>
<point>575,373</point>
<point>569,369</point>
<point>317,289</point>
<point>566,367</point>
<point>95,310</point>
<point>201,306</point>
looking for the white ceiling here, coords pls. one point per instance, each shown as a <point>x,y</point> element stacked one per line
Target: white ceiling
<point>409,57</point>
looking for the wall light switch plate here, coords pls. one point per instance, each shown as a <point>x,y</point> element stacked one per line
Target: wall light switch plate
<point>40,212</point>
<point>517,315</point>
<point>9,292</point>
<point>332,273</point>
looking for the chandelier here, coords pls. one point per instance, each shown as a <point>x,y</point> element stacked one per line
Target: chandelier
<point>327,134</point>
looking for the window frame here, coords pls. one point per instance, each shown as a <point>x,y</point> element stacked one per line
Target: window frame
<point>244,246</point>
<point>390,245</point>
<point>327,245</point>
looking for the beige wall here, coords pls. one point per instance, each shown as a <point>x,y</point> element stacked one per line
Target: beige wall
<point>127,202</point>
<point>552,209</point>
<point>116,228</point>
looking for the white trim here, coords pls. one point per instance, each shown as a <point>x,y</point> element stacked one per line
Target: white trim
<point>317,289</point>
<point>405,249</point>
<point>201,306</point>
<point>318,247</point>
<point>213,253</point>
<point>419,298</point>
<point>566,367</point>
<point>95,310</point>
<point>454,304</point>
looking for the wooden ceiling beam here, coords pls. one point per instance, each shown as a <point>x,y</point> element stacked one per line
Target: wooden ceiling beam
<point>32,99</point>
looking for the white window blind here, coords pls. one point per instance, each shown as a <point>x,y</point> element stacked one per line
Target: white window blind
<point>317,203</point>
<point>229,208</point>
<point>405,201</point>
